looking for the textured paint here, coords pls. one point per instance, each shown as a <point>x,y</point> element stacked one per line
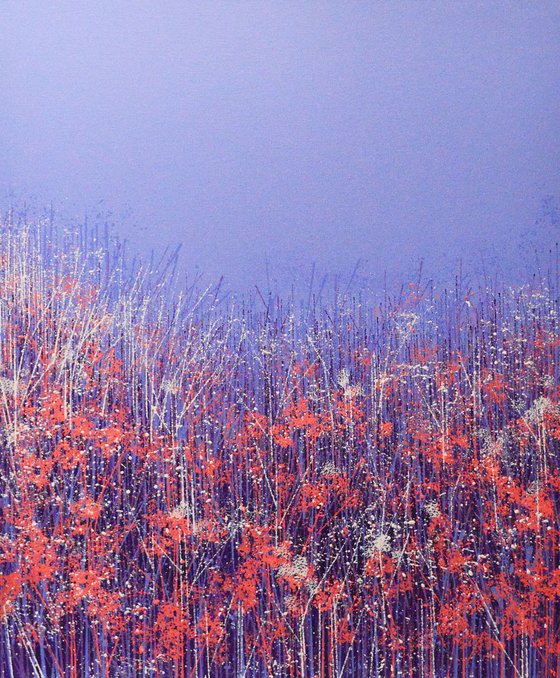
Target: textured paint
<point>192,486</point>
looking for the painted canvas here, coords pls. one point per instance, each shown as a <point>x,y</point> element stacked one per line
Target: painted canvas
<point>279,339</point>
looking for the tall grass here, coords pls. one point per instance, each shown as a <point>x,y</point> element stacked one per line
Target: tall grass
<point>192,485</point>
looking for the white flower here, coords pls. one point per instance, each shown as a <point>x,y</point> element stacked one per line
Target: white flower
<point>432,509</point>
<point>343,378</point>
<point>539,408</point>
<point>8,386</point>
<point>329,469</point>
<point>297,569</point>
<point>380,543</point>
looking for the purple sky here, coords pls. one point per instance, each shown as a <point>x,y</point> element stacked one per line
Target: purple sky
<point>326,131</point>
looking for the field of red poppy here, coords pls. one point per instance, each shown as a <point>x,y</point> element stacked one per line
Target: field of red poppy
<point>194,486</point>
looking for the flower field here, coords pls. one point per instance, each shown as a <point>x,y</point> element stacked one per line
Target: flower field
<point>194,485</point>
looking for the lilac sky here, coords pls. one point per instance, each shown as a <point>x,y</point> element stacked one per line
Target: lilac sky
<point>287,132</point>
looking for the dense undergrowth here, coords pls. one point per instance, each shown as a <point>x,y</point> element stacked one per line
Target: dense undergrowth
<point>196,486</point>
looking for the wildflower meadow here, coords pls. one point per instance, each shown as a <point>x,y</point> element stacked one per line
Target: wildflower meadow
<point>194,484</point>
